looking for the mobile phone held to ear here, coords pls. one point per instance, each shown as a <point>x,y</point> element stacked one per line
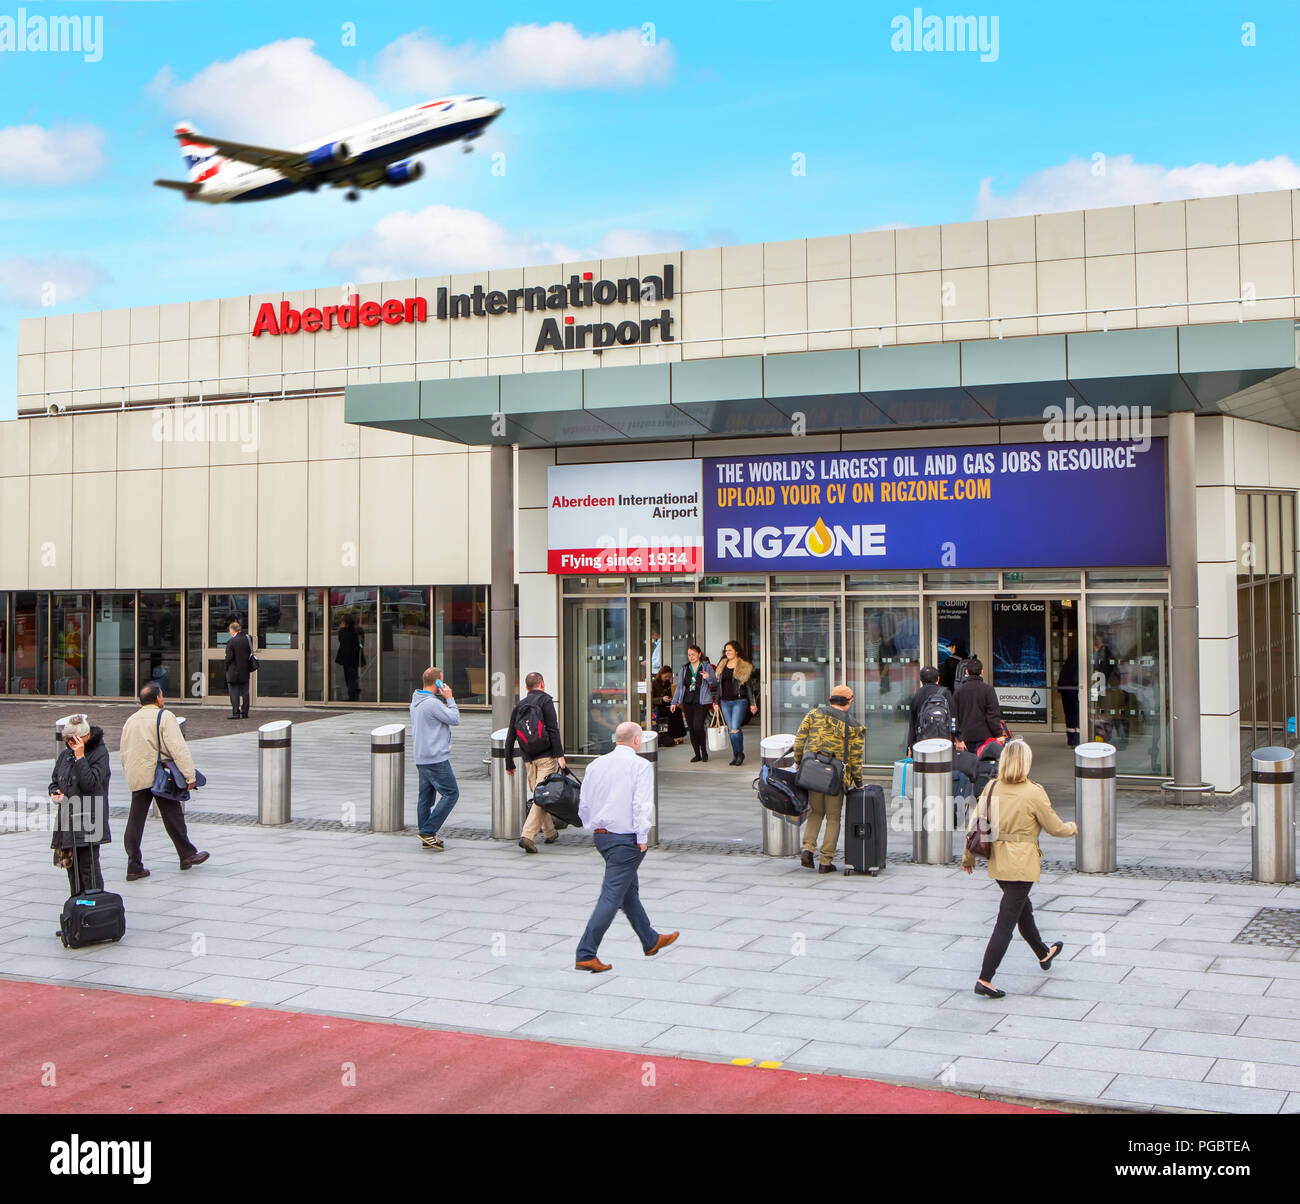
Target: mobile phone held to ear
<point>439,684</point>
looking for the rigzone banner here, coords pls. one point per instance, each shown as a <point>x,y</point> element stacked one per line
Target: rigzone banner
<point>1032,505</point>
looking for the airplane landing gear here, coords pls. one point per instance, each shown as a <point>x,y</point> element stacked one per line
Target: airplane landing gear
<point>352,195</point>
<point>466,148</point>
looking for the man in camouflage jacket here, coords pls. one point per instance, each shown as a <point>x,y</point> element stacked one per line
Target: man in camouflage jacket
<point>823,730</point>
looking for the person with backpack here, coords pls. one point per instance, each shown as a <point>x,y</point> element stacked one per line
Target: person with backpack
<point>536,729</point>
<point>433,714</point>
<point>978,717</point>
<point>1017,811</point>
<point>932,710</point>
<point>831,734</point>
<point>948,670</point>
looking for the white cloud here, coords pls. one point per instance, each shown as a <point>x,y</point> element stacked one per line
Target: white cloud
<point>528,56</point>
<point>52,281</point>
<point>278,94</point>
<point>32,154</point>
<point>1122,181</point>
<point>440,240</point>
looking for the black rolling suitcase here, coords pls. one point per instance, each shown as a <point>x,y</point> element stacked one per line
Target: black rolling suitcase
<point>866,830</point>
<point>91,916</point>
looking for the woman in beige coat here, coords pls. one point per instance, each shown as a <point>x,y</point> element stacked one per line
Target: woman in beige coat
<point>1018,810</point>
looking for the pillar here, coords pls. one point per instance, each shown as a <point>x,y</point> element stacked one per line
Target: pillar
<point>1184,629</point>
<point>501,614</point>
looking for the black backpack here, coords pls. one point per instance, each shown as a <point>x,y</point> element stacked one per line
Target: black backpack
<point>530,731</point>
<point>935,718</point>
<point>961,674</point>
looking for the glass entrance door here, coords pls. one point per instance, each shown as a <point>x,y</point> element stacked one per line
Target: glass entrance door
<point>664,630</point>
<point>884,672</point>
<point>596,673</point>
<point>805,657</point>
<point>1127,681</point>
<point>277,641</point>
<point>218,610</point>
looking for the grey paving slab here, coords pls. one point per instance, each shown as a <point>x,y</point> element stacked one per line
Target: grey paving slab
<point>812,1003</point>
<point>1184,1017</point>
<point>1268,1075</point>
<point>1230,984</point>
<point>146,978</point>
<point>353,1003</point>
<point>954,1044</point>
<point>1080,1032</point>
<point>696,1015</point>
<point>1050,1006</point>
<point>847,1032</point>
<point>1045,1082</point>
<point>310,955</point>
<point>1200,1096</point>
<point>1266,1005</point>
<point>761,1047</point>
<point>886,1063</point>
<point>1144,1062</point>
<point>620,1032</point>
<point>253,990</point>
<point>1292,1103</point>
<point>1273,1027</point>
<point>1218,1045</point>
<point>667,989</point>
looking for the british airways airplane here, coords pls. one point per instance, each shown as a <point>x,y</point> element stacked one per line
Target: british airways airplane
<point>363,157</point>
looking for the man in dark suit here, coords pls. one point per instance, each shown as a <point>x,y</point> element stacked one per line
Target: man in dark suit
<point>239,652</point>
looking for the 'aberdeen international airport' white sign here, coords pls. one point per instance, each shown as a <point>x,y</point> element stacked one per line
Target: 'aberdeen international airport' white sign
<point>642,517</point>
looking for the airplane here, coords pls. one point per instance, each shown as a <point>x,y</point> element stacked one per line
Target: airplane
<point>366,156</point>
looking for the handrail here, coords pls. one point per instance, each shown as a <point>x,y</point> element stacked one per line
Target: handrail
<point>1242,304</point>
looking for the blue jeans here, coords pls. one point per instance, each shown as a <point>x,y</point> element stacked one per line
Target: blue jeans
<point>434,780</point>
<point>734,713</point>
<point>618,891</point>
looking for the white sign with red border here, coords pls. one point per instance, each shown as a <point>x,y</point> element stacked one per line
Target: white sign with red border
<point>643,517</point>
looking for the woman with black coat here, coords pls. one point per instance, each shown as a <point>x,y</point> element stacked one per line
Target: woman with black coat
<point>697,687</point>
<point>79,791</point>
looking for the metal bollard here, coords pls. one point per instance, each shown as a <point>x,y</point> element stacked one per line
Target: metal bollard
<point>509,795</point>
<point>1094,808</point>
<point>780,836</point>
<point>274,771</point>
<point>58,729</point>
<point>1272,796</point>
<point>388,778</point>
<point>932,802</point>
<point>650,751</point>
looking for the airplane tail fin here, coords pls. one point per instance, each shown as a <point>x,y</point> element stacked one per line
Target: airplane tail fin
<point>197,154</point>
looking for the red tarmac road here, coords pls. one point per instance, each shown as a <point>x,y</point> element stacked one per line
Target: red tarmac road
<point>113,1053</point>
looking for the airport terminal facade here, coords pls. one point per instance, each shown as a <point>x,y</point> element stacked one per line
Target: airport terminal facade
<point>1069,443</point>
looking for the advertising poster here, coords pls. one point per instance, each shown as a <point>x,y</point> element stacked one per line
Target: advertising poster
<point>953,623</point>
<point>625,518</point>
<point>1020,660</point>
<point>1039,505</point>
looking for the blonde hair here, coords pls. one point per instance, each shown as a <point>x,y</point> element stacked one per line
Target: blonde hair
<point>1015,762</point>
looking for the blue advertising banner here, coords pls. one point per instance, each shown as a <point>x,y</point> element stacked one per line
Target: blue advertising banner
<point>1030,505</point>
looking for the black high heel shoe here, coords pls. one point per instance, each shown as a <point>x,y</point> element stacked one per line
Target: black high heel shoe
<point>989,992</point>
<point>1053,951</point>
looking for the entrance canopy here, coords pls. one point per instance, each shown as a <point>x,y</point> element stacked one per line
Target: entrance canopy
<point>1198,368</point>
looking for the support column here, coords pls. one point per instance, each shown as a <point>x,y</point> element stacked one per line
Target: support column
<point>501,669</point>
<point>1184,630</point>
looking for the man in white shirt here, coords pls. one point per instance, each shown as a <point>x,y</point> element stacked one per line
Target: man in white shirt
<point>617,805</point>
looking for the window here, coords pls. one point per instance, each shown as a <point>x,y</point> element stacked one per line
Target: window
<point>70,644</point>
<point>115,645</point>
<point>404,644</point>
<point>460,639</point>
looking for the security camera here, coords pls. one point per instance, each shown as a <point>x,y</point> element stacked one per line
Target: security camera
<point>53,407</point>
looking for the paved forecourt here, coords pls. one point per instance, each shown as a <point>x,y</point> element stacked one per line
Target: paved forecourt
<point>1154,1003</point>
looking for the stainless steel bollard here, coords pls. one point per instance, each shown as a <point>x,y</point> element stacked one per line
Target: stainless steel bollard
<point>932,825</point>
<point>388,778</point>
<point>274,771</point>
<point>780,836</point>
<point>1272,797</point>
<point>650,751</point>
<point>1094,808</point>
<point>509,795</point>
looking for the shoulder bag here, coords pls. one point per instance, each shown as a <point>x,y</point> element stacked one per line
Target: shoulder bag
<point>822,772</point>
<point>979,837</point>
<point>168,781</point>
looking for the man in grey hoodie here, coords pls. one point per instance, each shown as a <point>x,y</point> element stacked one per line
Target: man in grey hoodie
<point>433,715</point>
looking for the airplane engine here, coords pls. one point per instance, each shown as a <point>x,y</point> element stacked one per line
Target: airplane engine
<point>404,172</point>
<point>329,154</point>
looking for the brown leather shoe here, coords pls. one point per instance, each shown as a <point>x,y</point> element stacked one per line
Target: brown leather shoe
<point>197,859</point>
<point>665,939</point>
<point>527,845</point>
<point>594,964</point>
<point>828,869</point>
<point>136,875</point>
<point>805,859</point>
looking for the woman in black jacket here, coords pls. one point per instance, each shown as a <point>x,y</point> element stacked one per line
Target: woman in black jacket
<point>79,792</point>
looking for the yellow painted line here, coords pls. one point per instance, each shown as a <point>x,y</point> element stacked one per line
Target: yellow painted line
<point>234,1003</point>
<point>770,1065</point>
<point>742,1061</point>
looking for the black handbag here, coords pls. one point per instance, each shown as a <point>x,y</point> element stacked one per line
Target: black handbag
<point>822,772</point>
<point>168,781</point>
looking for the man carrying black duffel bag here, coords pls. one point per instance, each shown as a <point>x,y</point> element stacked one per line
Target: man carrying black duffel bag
<point>535,728</point>
<point>831,741</point>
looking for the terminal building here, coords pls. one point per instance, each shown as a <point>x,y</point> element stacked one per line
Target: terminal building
<point>1066,443</point>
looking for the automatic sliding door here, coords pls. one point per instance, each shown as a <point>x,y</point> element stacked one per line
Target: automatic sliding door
<point>596,673</point>
<point>805,658</point>
<point>1127,681</point>
<point>884,672</point>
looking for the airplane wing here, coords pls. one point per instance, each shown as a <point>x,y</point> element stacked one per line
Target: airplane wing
<point>189,187</point>
<point>289,163</point>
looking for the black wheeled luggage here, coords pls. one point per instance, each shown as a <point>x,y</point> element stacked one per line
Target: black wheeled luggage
<point>91,916</point>
<point>866,830</point>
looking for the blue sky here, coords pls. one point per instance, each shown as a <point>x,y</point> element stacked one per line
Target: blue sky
<point>616,137</point>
